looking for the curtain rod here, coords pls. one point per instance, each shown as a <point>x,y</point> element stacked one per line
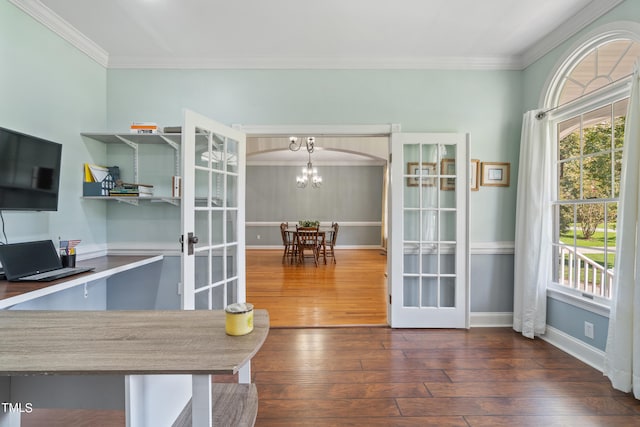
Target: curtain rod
<point>541,114</point>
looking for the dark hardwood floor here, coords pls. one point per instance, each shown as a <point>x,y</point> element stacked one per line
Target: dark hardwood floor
<point>385,377</point>
<point>378,376</point>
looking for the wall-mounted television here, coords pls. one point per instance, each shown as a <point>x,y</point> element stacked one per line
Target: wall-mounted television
<point>29,172</point>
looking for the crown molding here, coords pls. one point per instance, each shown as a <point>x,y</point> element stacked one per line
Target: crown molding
<point>436,63</point>
<point>569,28</point>
<point>68,32</point>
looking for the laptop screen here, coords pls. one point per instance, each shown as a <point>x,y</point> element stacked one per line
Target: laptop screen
<point>23,259</point>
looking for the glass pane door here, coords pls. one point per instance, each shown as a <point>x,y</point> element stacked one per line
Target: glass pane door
<point>429,233</point>
<point>213,211</point>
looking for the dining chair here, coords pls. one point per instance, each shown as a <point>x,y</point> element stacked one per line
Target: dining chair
<point>331,242</point>
<point>307,241</point>
<point>288,242</point>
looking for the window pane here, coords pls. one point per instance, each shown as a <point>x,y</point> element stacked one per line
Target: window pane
<point>430,153</point>
<point>448,262</point>
<point>447,226</point>
<point>608,275</point>
<point>202,300</point>
<point>447,292</point>
<point>611,227</point>
<point>429,264</point>
<point>566,224</point>
<point>411,225</point>
<point>411,152</point>
<point>411,263</point>
<point>561,265</point>
<point>429,292</point>
<point>411,292</point>
<point>596,177</point>
<point>597,130</point>
<point>617,173</point>
<point>569,138</point>
<point>589,219</point>
<point>569,180</point>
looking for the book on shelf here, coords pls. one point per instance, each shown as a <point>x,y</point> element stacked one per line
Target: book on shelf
<point>120,194</point>
<point>144,128</point>
<point>124,189</point>
<point>176,186</point>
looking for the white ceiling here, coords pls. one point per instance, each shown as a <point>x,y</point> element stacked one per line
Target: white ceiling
<point>461,34</point>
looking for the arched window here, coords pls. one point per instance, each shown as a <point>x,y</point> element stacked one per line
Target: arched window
<point>599,67</point>
<point>587,98</point>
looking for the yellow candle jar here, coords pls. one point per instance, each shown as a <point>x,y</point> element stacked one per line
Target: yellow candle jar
<point>239,319</point>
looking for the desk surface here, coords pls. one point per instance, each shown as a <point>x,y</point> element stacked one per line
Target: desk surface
<point>12,293</point>
<point>124,342</point>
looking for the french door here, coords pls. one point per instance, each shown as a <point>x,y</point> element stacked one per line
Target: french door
<point>213,187</point>
<point>428,261</point>
<point>213,262</point>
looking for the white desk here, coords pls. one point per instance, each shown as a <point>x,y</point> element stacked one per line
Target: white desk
<point>12,293</point>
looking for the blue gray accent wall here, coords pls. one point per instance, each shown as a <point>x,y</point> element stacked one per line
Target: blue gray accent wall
<point>491,287</point>
<point>570,319</point>
<point>348,194</point>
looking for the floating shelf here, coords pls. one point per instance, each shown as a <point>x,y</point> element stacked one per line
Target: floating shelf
<point>133,200</point>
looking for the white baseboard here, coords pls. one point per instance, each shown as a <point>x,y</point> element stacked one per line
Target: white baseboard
<point>575,347</point>
<point>491,320</point>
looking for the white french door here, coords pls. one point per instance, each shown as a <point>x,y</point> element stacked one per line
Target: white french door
<point>429,257</point>
<point>213,187</point>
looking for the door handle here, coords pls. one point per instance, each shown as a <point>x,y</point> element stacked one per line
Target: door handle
<point>191,240</point>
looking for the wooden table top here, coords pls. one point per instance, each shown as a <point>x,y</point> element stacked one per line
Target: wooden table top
<point>15,292</point>
<point>124,342</point>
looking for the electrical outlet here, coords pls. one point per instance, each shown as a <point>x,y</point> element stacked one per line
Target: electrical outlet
<point>588,330</point>
<point>258,237</point>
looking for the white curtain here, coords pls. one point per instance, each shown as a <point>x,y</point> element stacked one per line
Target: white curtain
<point>532,267</point>
<point>622,360</point>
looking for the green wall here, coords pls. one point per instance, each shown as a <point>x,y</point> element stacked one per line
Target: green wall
<point>51,90</point>
<point>486,104</point>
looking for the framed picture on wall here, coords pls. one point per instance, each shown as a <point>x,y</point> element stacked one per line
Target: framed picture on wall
<point>495,174</point>
<point>475,175</point>
<point>417,170</point>
<point>448,167</point>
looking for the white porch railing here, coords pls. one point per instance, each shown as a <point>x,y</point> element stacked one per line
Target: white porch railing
<point>577,271</point>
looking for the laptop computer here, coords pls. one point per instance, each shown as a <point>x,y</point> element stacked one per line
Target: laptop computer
<point>35,261</point>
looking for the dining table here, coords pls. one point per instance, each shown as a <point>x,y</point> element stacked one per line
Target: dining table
<point>323,234</point>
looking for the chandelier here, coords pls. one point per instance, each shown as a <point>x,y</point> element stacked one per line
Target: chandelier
<point>309,173</point>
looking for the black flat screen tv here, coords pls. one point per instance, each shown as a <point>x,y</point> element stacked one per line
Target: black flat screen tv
<point>29,172</point>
